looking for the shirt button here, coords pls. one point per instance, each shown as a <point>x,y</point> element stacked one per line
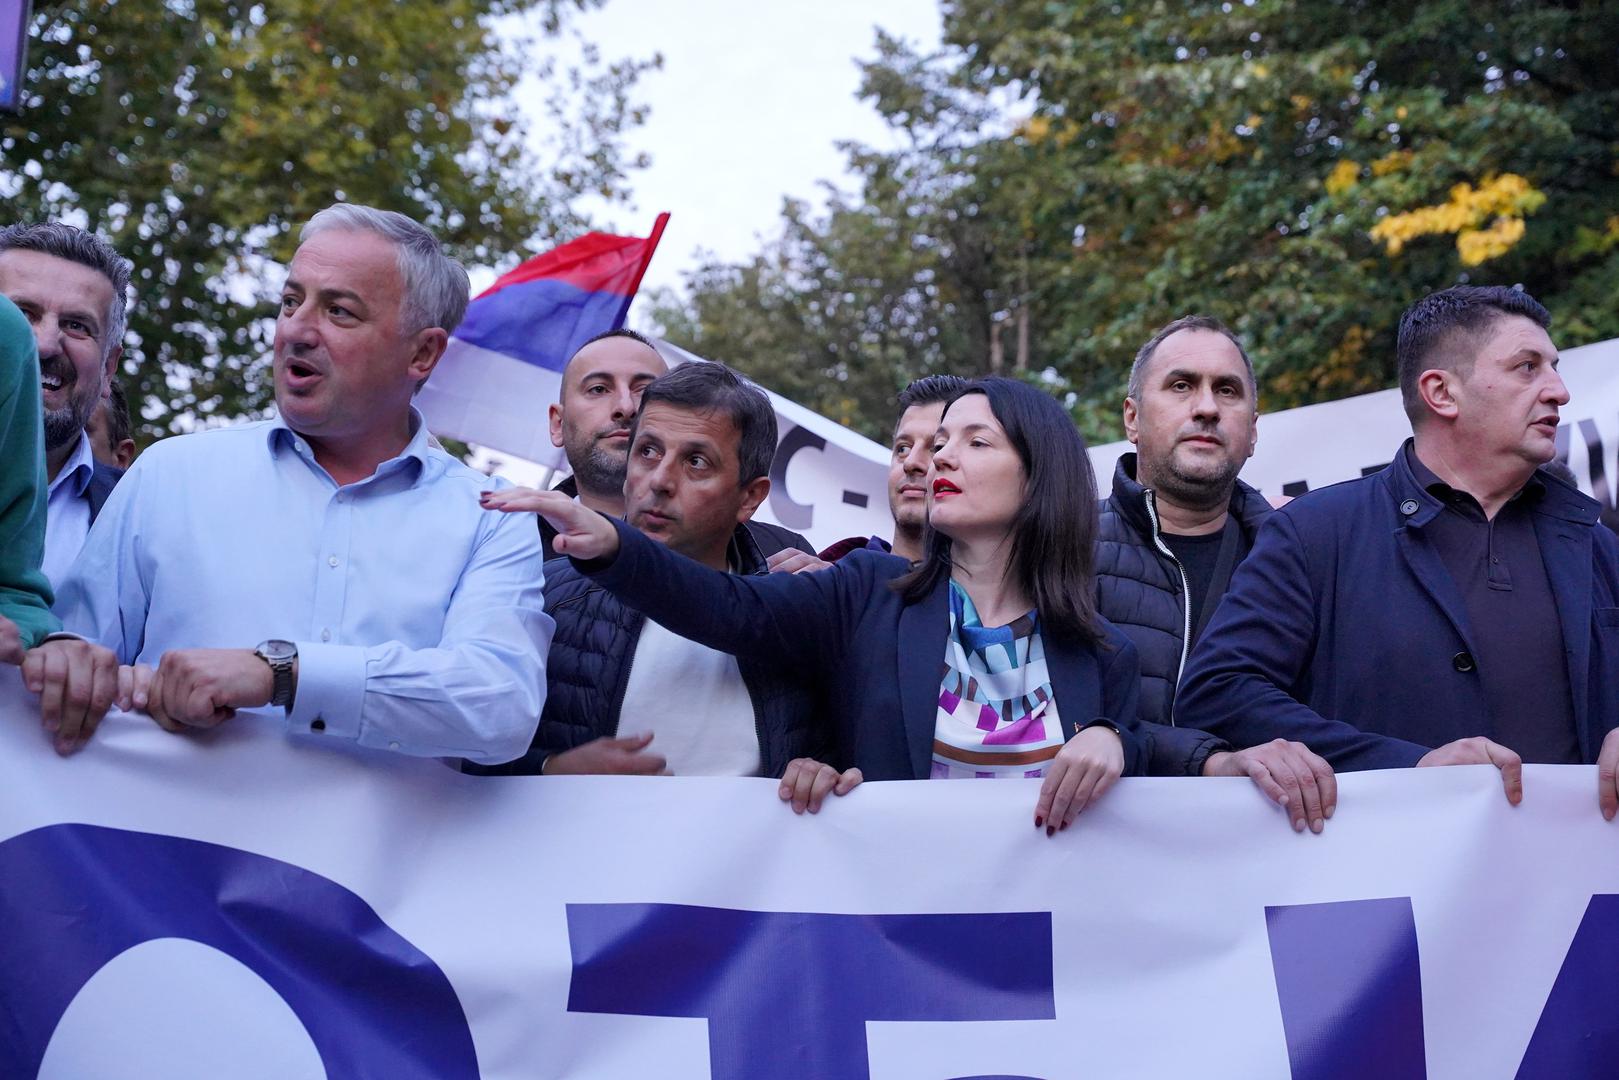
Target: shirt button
<point>317,724</point>
<point>1462,662</point>
<point>332,561</point>
<point>1409,507</point>
<point>326,635</point>
<point>393,746</point>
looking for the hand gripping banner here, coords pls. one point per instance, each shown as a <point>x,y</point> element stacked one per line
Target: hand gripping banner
<point>252,904</point>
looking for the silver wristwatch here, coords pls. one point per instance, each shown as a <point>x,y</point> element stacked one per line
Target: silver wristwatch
<point>280,655</point>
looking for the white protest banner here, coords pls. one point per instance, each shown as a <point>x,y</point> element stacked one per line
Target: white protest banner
<point>1307,448</point>
<point>249,905</point>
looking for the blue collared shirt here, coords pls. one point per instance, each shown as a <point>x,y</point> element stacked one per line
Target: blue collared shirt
<point>418,616</point>
<point>67,512</point>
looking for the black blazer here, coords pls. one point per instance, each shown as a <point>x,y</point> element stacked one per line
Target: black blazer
<point>879,659</point>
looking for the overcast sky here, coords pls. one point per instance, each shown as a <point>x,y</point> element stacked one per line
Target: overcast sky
<point>747,109</point>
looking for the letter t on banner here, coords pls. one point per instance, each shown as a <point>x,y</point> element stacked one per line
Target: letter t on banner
<point>787,994</point>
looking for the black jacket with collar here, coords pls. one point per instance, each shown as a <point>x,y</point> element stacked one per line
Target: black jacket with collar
<point>588,670</point>
<point>770,538</point>
<point>1141,591</point>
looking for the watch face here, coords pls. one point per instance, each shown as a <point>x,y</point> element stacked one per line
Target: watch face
<point>276,649</point>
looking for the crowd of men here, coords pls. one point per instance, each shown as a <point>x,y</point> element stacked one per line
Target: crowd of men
<point>331,570</point>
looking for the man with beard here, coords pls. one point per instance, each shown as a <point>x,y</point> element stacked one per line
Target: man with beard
<point>601,390</point>
<point>1175,527</point>
<point>72,287</point>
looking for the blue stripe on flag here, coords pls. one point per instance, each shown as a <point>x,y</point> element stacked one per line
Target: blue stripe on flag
<point>540,322</point>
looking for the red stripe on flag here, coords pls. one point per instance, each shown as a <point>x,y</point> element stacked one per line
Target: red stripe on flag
<point>595,262</point>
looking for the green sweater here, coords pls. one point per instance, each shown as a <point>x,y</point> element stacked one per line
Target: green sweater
<point>25,595</point>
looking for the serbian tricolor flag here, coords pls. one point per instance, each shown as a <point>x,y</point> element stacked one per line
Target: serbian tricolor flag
<point>504,363</point>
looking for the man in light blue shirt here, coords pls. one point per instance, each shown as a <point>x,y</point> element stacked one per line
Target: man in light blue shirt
<point>387,609</point>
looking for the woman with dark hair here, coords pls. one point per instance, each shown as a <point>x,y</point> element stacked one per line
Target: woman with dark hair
<point>985,659</point>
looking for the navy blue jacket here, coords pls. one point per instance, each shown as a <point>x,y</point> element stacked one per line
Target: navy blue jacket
<point>1140,588</point>
<point>1343,629</point>
<point>103,478</point>
<point>588,670</point>
<point>878,660</point>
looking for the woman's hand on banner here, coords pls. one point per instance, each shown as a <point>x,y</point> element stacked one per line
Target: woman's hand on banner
<point>1083,770</point>
<point>1290,774</point>
<point>581,532</point>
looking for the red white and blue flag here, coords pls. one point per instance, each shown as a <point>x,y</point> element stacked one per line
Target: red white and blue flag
<point>504,363</point>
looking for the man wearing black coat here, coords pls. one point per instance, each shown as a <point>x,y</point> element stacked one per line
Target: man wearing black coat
<point>627,696</point>
<point>1459,607</point>
<point>1174,528</point>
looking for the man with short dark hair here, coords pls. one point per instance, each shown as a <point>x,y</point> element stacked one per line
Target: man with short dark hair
<point>921,407</point>
<point>1456,607</point>
<point>628,696</point>
<point>1173,530</point>
<point>73,288</point>
<point>111,435</point>
<point>601,390</point>
<point>330,569</point>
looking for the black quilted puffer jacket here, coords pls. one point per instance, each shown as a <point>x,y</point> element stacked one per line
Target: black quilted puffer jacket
<point>588,669</point>
<point>1141,590</point>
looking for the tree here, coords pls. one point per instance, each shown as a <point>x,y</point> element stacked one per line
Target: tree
<point>1302,169</point>
<point>196,134</point>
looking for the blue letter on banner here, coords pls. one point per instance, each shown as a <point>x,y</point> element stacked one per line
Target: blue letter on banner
<point>1350,988</point>
<point>73,897</point>
<point>787,994</point>
<point>1578,1032</point>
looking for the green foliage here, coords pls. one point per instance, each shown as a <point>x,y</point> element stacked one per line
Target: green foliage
<point>1231,158</point>
<point>197,134</point>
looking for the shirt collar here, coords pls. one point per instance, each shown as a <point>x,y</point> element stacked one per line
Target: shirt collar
<point>1456,498</point>
<point>78,470</point>
<point>419,449</point>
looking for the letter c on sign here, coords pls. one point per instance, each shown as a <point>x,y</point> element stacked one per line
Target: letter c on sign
<point>73,897</point>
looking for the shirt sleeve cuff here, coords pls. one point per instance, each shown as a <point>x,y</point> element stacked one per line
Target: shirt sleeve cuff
<point>331,687</point>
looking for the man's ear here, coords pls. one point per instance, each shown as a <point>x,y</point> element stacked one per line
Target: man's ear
<point>109,369</point>
<point>1437,388</point>
<point>1131,419</point>
<point>754,494</point>
<point>554,417</point>
<point>430,346</point>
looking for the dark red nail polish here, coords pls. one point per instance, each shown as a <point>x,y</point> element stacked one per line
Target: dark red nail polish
<point>1039,821</point>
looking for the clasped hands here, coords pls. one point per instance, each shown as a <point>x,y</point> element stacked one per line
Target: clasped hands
<point>78,682</point>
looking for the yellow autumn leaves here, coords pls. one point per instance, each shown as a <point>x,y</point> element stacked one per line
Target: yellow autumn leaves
<point>1486,221</point>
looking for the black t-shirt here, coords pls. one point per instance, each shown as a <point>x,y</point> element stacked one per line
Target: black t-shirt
<point>1200,557</point>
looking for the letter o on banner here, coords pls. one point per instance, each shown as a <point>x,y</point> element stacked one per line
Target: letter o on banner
<point>73,897</point>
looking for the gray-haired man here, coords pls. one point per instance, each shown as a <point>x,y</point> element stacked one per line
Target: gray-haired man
<point>331,567</point>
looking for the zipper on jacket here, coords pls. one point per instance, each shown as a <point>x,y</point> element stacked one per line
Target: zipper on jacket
<point>1186,593</point>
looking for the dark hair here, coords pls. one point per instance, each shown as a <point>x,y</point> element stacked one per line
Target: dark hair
<point>1185,322</point>
<point>85,248</point>
<point>118,425</point>
<point>623,332</point>
<point>1054,533</point>
<point>1432,332</point>
<point>930,390</point>
<point>713,387</point>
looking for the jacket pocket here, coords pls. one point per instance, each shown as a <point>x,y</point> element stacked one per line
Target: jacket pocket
<point>1606,616</point>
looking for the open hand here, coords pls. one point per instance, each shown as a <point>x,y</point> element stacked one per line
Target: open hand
<point>581,531</point>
